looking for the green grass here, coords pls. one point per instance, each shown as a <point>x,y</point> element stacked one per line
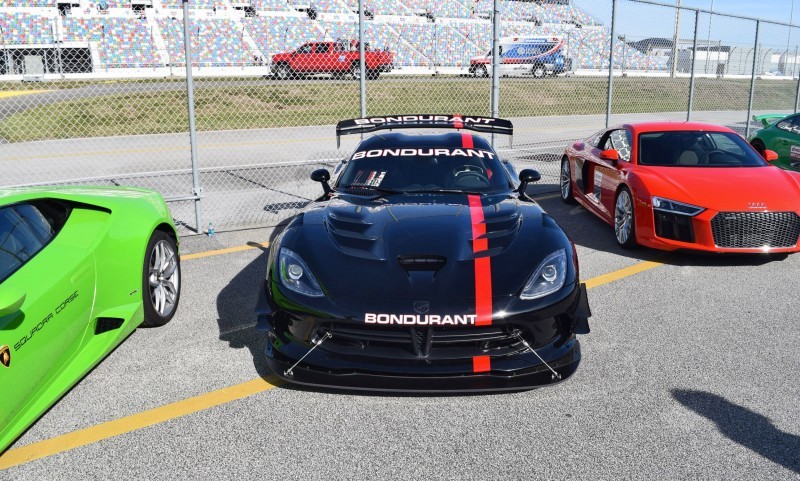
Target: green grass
<point>229,104</point>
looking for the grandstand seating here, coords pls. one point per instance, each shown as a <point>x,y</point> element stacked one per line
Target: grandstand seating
<point>127,43</point>
<point>383,7</point>
<point>439,8</point>
<point>272,6</point>
<point>24,28</point>
<point>329,6</point>
<point>123,39</point>
<point>28,3</point>
<point>201,4</point>
<point>215,43</point>
<point>282,34</point>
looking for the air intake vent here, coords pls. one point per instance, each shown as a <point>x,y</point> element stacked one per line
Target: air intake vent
<point>755,229</point>
<point>105,324</point>
<point>422,262</point>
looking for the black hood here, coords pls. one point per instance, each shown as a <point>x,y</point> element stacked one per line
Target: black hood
<point>420,245</point>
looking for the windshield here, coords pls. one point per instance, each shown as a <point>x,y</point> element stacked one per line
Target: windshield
<point>696,149</point>
<point>426,170</point>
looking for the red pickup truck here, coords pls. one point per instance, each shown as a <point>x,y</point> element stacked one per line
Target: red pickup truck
<point>335,58</point>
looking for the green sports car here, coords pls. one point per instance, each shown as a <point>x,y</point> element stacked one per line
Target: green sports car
<point>781,133</point>
<point>80,269</point>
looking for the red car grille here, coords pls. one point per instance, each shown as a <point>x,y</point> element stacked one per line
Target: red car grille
<point>752,230</point>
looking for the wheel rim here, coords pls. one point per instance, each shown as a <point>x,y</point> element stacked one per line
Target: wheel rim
<point>356,71</point>
<point>565,179</point>
<point>164,278</point>
<point>623,217</point>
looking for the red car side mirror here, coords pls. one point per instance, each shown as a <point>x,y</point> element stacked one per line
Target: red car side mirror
<point>610,155</point>
<point>770,155</point>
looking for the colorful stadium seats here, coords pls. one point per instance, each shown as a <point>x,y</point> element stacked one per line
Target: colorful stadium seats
<point>223,37</point>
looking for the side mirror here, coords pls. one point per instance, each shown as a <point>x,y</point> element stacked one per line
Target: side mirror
<point>322,176</point>
<point>770,155</point>
<point>610,154</point>
<point>528,176</point>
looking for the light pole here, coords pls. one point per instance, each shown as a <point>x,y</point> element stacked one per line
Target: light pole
<point>708,40</point>
<point>7,61</point>
<point>675,38</point>
<point>788,38</point>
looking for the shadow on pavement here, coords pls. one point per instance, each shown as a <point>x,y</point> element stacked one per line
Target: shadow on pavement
<point>236,304</point>
<point>748,428</point>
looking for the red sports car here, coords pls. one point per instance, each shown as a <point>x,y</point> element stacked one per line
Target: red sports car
<point>684,185</point>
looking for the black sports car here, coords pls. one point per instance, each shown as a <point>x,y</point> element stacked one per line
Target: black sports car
<point>425,267</point>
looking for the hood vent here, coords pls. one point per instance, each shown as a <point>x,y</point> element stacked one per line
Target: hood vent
<point>421,263</point>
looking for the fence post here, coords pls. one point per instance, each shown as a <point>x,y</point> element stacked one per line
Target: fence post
<point>361,64</point>
<point>495,61</point>
<point>611,61</point>
<point>694,61</point>
<point>196,189</point>
<point>752,82</point>
<point>797,94</point>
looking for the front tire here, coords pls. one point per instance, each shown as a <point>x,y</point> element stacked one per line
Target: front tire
<point>624,220</point>
<point>481,71</point>
<point>566,181</point>
<point>283,72</point>
<point>161,280</point>
<point>355,71</point>
<point>538,71</point>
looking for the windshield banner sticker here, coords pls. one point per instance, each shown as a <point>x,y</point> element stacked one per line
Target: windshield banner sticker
<point>423,153</point>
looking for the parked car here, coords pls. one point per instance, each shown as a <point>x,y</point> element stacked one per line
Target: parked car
<point>519,56</point>
<point>682,185</point>
<point>781,133</point>
<point>424,267</point>
<point>80,269</point>
<point>335,58</point>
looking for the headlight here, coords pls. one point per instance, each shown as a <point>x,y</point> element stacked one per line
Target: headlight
<point>666,205</point>
<point>295,274</point>
<point>548,277</point>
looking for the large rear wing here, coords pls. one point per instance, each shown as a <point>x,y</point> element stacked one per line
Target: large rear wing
<point>767,119</point>
<point>489,125</point>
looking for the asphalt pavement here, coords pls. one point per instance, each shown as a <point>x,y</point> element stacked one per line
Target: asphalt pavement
<point>690,372</point>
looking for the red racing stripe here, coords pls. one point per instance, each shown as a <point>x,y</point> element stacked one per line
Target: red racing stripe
<point>481,364</point>
<point>483,266</point>
<point>466,140</point>
<point>458,123</point>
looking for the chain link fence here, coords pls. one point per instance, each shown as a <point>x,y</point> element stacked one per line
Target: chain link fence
<point>98,93</point>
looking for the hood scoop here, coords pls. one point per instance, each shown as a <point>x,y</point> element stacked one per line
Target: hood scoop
<point>351,233</point>
<point>427,263</point>
<point>501,230</point>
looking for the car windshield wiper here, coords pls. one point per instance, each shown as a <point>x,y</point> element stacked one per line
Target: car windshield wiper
<point>372,188</point>
<point>444,191</point>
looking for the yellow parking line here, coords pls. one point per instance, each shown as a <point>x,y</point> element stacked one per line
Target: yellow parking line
<point>93,434</point>
<point>127,424</point>
<point>217,252</point>
<point>622,273</point>
<point>16,93</point>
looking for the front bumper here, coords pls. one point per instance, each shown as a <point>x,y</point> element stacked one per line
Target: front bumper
<point>486,358</point>
<point>702,235</point>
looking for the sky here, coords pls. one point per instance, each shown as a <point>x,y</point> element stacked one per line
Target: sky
<point>638,21</point>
